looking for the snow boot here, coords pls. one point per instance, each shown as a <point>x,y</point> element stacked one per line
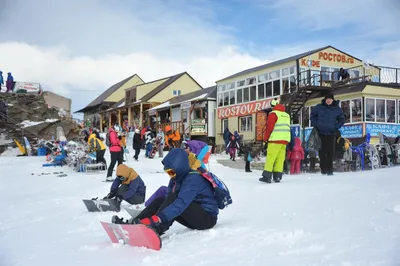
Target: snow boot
<point>277,177</point>
<point>266,177</point>
<point>329,173</point>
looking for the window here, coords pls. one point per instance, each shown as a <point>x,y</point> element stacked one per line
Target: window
<point>380,110</point>
<point>239,96</point>
<point>356,110</point>
<point>221,88</point>
<point>285,72</point>
<point>250,81</point>
<point>261,91</point>
<point>224,124</point>
<point>220,99</point>
<point>369,110</point>
<point>253,93</point>
<point>345,105</point>
<point>268,88</point>
<point>240,83</point>
<point>277,87</point>
<point>226,98</point>
<point>263,77</point>
<point>246,95</point>
<point>306,117</point>
<point>176,92</point>
<point>246,123</point>
<point>390,111</point>
<point>285,85</point>
<point>184,116</point>
<point>230,86</point>
<point>199,113</point>
<point>232,97</point>
<point>292,70</point>
<point>274,74</point>
<point>325,73</point>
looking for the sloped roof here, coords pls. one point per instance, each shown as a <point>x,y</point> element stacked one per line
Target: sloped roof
<point>279,62</point>
<point>164,85</point>
<point>100,99</point>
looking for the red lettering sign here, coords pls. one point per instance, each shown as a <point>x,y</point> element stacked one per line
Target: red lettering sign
<point>243,109</point>
<point>335,57</point>
<point>314,63</point>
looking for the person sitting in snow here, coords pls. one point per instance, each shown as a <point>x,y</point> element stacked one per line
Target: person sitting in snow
<point>190,198</point>
<point>128,186</point>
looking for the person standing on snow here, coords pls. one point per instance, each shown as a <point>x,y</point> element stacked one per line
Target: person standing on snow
<point>96,145</point>
<point>10,82</point>
<point>327,117</point>
<point>277,135</point>
<point>160,135</point>
<point>148,136</point>
<point>190,199</point>
<point>227,138</point>
<point>137,144</point>
<point>232,146</point>
<point>115,151</point>
<point>1,79</point>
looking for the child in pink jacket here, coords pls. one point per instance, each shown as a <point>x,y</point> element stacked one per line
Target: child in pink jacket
<point>296,155</point>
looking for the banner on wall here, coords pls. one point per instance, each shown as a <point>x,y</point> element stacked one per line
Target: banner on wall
<point>347,131</point>
<point>261,121</point>
<point>243,109</point>
<point>389,130</point>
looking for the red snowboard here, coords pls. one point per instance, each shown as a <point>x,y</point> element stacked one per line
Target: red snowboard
<point>136,235</point>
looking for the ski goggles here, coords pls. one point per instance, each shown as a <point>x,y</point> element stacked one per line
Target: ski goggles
<point>122,178</point>
<point>170,172</point>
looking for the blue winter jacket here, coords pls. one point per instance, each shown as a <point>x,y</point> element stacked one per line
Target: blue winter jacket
<point>1,78</point>
<point>135,187</point>
<point>190,185</point>
<point>327,119</point>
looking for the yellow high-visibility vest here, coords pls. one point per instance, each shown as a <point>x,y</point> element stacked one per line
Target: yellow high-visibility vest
<point>281,130</point>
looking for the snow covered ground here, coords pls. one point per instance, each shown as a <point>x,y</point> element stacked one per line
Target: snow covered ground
<point>347,219</point>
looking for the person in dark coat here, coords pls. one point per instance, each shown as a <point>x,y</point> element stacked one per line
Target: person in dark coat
<point>10,82</point>
<point>190,198</point>
<point>343,74</point>
<point>128,186</point>
<point>327,117</point>
<point>137,144</point>
<point>227,138</point>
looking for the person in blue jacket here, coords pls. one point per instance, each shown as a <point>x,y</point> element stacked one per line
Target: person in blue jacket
<point>327,117</point>
<point>190,198</point>
<point>128,186</point>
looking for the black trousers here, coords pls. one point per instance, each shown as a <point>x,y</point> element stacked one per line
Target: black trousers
<point>326,153</point>
<point>136,199</point>
<point>122,154</point>
<point>194,217</point>
<point>100,157</point>
<point>115,157</point>
<point>137,152</point>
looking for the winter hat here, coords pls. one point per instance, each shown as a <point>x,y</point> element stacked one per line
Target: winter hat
<point>329,95</point>
<point>137,131</point>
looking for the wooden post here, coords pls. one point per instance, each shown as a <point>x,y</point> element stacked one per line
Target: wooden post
<point>129,116</point>
<point>101,122</point>
<point>141,115</point>
<point>109,120</point>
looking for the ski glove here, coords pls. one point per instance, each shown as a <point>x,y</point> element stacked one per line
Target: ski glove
<point>109,196</point>
<point>153,221</point>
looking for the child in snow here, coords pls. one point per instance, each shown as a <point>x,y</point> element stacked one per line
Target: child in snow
<point>127,186</point>
<point>199,148</point>
<point>148,136</point>
<point>190,199</point>
<point>137,144</point>
<point>295,156</point>
<point>232,145</point>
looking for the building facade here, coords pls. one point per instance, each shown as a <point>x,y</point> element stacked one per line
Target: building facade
<point>242,96</point>
<point>60,102</point>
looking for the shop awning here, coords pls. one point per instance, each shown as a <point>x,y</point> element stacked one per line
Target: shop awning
<point>160,106</point>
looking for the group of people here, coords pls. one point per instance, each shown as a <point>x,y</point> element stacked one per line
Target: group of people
<point>188,198</point>
<point>9,83</point>
<point>326,118</point>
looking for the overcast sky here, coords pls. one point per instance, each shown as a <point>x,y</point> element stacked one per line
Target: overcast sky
<point>80,48</point>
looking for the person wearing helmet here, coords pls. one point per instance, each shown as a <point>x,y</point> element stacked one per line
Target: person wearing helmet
<point>137,144</point>
<point>115,151</point>
<point>172,138</point>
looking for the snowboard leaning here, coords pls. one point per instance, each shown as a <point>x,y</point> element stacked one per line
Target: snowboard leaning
<point>102,205</point>
<point>136,235</point>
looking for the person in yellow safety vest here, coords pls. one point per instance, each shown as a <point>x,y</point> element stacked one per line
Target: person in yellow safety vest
<point>277,135</point>
<point>98,146</point>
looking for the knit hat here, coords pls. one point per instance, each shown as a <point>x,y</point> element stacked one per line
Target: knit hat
<point>329,95</point>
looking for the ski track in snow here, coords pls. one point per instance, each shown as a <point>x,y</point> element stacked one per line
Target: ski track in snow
<point>349,219</point>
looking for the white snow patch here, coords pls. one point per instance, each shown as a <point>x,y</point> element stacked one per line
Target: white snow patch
<point>28,123</point>
<point>11,152</point>
<point>338,220</point>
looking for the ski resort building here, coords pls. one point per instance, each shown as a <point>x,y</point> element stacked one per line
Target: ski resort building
<point>370,98</point>
<point>132,109</point>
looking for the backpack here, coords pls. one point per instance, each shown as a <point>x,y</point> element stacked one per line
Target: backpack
<point>221,191</point>
<point>346,145</point>
<point>108,140</point>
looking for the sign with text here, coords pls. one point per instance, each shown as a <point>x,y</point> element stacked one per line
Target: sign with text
<point>325,56</point>
<point>352,131</point>
<point>261,121</point>
<point>29,87</point>
<point>186,105</point>
<point>243,109</point>
<point>389,130</point>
